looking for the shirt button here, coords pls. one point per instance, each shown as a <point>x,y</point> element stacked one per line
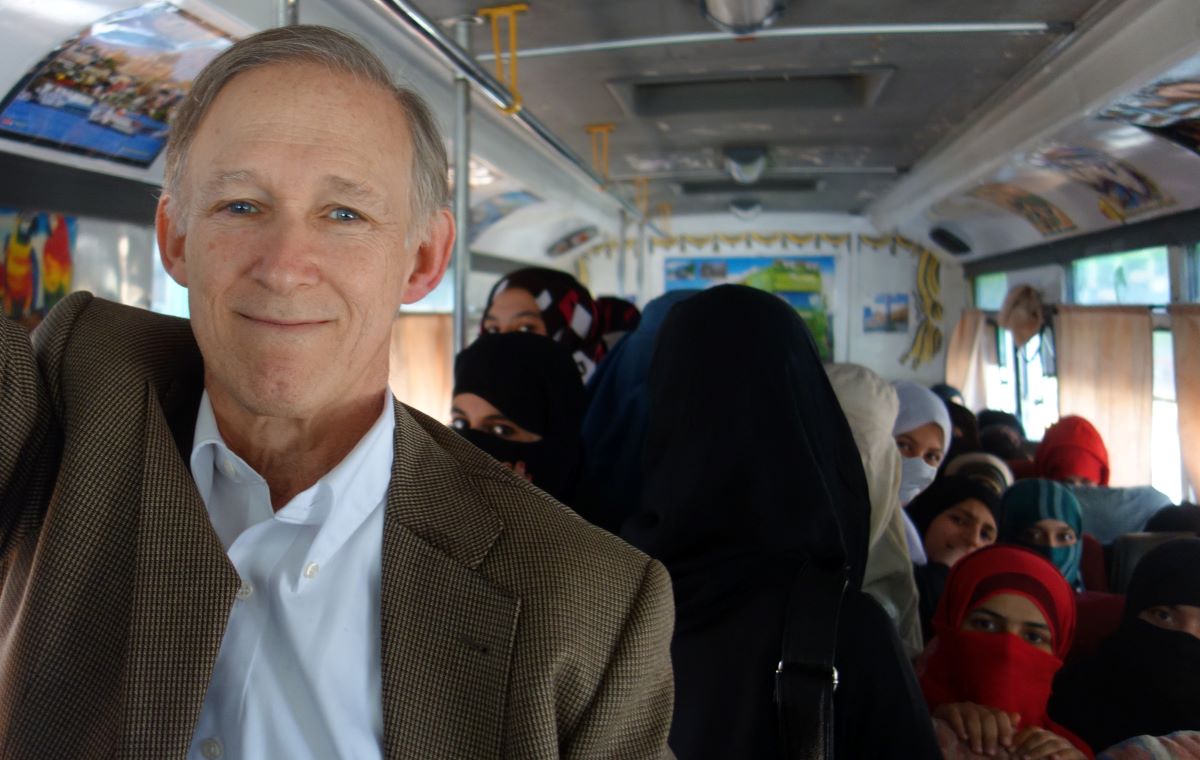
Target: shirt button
<point>311,570</point>
<point>245,591</point>
<point>228,467</point>
<point>211,749</point>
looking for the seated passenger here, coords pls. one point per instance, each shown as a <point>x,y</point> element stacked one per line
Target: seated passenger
<point>870,405</point>
<point>1073,452</point>
<point>922,433</point>
<point>986,468</point>
<point>551,303</point>
<point>1182,519</point>
<point>618,318</point>
<point>954,517</point>
<point>1044,516</point>
<point>964,432</point>
<point>519,398</point>
<point>947,393</point>
<point>1144,679</point>
<point>754,496</point>
<point>1002,629</point>
<point>615,422</point>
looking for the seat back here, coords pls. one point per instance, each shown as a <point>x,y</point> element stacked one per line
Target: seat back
<point>1129,549</point>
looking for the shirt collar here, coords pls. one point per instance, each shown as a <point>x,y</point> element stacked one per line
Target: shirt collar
<point>337,504</point>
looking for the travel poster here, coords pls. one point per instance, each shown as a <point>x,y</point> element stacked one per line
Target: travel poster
<point>805,282</point>
<point>111,91</point>
<point>886,313</point>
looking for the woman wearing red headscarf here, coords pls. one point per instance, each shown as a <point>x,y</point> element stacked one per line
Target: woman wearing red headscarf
<point>1072,451</point>
<point>1002,628</point>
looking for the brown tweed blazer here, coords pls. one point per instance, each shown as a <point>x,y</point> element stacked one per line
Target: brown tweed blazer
<point>511,628</point>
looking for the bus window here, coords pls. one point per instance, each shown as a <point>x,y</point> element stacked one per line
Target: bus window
<point>1135,277</point>
<point>1166,468</point>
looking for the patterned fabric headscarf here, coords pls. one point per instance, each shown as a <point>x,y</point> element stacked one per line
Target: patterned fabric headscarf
<point>1033,500</point>
<point>618,317</point>
<point>567,309</point>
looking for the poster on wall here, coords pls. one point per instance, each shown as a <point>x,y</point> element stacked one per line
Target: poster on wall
<point>886,313</point>
<point>111,91</point>
<point>805,282</point>
<point>35,262</point>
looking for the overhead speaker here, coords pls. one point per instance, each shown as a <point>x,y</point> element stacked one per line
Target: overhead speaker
<point>954,244</point>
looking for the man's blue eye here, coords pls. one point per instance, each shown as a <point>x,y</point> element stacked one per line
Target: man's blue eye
<point>242,207</point>
<point>344,215</point>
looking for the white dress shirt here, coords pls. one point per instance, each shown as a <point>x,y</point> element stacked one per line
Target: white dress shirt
<point>298,674</point>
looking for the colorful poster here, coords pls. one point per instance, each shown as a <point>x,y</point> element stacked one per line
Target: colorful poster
<point>886,313</point>
<point>805,282</point>
<point>35,262</point>
<point>1045,217</point>
<point>1124,191</point>
<point>487,212</point>
<point>111,91</point>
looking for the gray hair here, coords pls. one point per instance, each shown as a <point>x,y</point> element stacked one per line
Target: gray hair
<point>340,52</point>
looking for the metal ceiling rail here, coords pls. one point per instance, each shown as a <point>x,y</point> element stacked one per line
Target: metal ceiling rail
<point>1022,27</point>
<point>436,40</point>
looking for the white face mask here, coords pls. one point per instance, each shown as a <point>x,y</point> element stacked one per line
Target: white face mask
<point>915,477</point>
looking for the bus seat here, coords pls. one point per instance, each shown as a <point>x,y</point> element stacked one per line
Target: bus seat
<point>1129,549</point>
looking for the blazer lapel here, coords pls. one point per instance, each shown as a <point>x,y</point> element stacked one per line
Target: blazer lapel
<point>447,631</point>
<point>185,587</point>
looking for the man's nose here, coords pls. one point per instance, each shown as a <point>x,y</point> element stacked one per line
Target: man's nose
<point>287,256</point>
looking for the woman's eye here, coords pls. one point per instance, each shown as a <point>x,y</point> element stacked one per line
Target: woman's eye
<point>241,208</point>
<point>491,329</point>
<point>524,328</point>
<point>1033,637</point>
<point>983,624</point>
<point>1163,615</point>
<point>1067,537</point>
<point>459,423</point>
<point>933,460</point>
<point>501,431</point>
<point>988,536</point>
<point>344,215</point>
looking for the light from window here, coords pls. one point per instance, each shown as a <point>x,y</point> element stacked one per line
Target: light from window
<point>1166,466</point>
<point>990,290</point>
<point>1135,277</point>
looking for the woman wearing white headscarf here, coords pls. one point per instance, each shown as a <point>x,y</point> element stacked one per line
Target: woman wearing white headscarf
<point>922,434</point>
<point>870,405</point>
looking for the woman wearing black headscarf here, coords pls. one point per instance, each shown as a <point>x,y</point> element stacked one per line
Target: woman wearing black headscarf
<point>1143,680</point>
<point>519,398</point>
<point>956,516</point>
<point>752,480</point>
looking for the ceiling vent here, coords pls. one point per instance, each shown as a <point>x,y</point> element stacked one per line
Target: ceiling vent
<point>768,185</point>
<point>746,163</point>
<point>745,209</point>
<point>761,91</point>
<point>950,241</point>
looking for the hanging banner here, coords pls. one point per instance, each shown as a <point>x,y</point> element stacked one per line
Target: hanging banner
<point>806,283</point>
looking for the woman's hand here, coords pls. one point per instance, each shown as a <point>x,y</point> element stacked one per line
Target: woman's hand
<point>984,729</point>
<point>1040,744</point>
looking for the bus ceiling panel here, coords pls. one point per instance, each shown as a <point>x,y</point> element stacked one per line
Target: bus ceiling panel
<point>816,103</point>
<point>570,22</point>
<point>1055,152</point>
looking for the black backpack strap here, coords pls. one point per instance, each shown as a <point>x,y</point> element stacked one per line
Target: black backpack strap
<point>806,678</point>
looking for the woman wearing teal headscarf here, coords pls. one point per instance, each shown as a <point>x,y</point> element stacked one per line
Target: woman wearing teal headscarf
<point>1045,517</point>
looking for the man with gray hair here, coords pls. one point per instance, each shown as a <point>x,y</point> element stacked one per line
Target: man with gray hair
<point>223,538</point>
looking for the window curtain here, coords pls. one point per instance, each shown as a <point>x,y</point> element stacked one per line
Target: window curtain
<point>965,357</point>
<point>421,372</point>
<point>1106,375</point>
<point>1185,327</point>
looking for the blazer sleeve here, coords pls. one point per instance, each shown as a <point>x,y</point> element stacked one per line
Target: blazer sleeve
<point>630,715</point>
<point>24,420</point>
<point>28,416</point>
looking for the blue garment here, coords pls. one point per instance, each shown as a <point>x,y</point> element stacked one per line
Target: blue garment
<point>1112,512</point>
<point>615,423</point>
<point>1031,501</point>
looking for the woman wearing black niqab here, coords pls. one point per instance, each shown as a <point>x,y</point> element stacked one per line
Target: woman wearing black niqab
<point>1143,682</point>
<point>751,472</point>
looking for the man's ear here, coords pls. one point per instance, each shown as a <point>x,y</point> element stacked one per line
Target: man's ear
<point>170,241</point>
<point>432,257</point>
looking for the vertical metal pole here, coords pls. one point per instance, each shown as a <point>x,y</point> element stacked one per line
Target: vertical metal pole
<point>641,262</point>
<point>623,233</point>
<point>462,186</point>
<point>287,12</point>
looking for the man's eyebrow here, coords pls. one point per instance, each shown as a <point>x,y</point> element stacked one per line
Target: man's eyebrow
<point>237,177</point>
<point>353,188</point>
